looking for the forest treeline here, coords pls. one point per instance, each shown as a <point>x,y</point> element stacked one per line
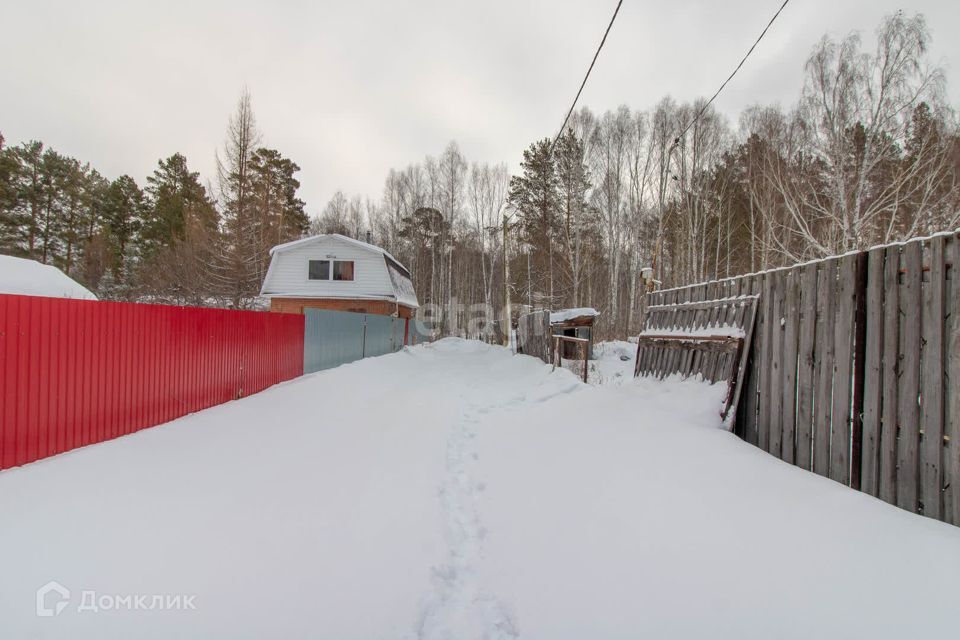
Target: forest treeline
<point>171,239</point>
<point>869,153</point>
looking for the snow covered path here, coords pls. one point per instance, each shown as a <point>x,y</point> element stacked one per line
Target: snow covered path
<point>455,491</point>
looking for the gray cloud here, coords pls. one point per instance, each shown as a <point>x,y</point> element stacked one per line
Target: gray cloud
<point>348,90</point>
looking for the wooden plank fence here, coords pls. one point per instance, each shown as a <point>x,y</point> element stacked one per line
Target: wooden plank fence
<point>849,375</point>
<point>708,338</point>
<point>534,336</point>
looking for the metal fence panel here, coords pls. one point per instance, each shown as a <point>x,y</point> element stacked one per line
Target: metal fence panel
<point>399,333</point>
<point>534,336</point>
<point>77,372</point>
<point>418,332</point>
<point>331,338</point>
<point>379,339</point>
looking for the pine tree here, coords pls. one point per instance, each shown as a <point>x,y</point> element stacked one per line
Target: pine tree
<point>176,198</point>
<point>125,208</point>
<point>11,219</point>
<point>534,194</point>
<point>576,222</point>
<point>278,214</point>
<point>28,183</point>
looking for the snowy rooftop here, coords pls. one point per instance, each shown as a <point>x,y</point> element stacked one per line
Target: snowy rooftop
<point>565,315</point>
<point>20,276</point>
<point>360,244</point>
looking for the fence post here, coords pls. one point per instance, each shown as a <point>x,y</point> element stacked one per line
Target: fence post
<point>363,344</point>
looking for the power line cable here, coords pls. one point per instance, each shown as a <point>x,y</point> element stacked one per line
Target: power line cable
<point>582,84</point>
<point>676,141</point>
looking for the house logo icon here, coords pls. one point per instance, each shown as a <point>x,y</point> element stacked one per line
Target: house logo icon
<point>59,599</point>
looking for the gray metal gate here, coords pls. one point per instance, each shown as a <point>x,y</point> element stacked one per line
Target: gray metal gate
<point>332,338</point>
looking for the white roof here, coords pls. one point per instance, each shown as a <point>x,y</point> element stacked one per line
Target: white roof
<point>20,276</point>
<point>378,275</point>
<point>353,241</point>
<point>569,314</point>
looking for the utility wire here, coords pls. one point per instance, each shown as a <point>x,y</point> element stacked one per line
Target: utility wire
<point>582,84</point>
<point>676,141</point>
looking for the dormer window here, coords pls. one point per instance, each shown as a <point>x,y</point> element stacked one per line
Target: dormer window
<point>343,269</point>
<point>319,270</point>
<point>330,270</point>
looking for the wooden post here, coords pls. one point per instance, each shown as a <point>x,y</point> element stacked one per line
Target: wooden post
<point>583,350</point>
<point>506,286</point>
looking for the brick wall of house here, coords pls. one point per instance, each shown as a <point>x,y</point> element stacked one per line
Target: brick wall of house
<point>378,307</point>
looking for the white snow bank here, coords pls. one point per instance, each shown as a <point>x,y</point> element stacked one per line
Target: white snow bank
<point>28,277</point>
<point>569,314</point>
<point>479,496</point>
<point>613,363</point>
<point>616,514</point>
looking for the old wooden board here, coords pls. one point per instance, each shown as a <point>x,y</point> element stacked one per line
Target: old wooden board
<point>908,409</point>
<point>951,453</point>
<point>791,332</point>
<point>805,367</point>
<point>826,308</point>
<point>765,361</point>
<point>775,418</point>
<point>932,377</point>
<point>873,396</point>
<point>890,367</point>
<point>748,415</point>
<point>840,433</point>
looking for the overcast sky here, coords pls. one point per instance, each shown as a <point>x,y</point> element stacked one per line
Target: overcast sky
<point>350,89</point>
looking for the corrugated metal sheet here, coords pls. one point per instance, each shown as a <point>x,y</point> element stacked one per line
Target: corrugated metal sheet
<point>332,338</point>
<point>399,333</point>
<point>76,372</point>
<point>419,332</point>
<point>379,340</point>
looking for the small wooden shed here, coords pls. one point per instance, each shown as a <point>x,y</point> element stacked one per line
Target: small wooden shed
<point>574,323</point>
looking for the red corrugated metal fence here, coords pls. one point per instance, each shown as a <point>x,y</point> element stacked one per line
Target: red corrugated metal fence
<point>76,372</point>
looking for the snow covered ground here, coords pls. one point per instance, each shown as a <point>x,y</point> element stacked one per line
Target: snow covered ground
<point>613,363</point>
<point>456,491</point>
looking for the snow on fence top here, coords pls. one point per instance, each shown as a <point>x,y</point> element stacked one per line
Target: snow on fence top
<point>20,276</point>
<point>565,315</point>
<point>790,267</point>
<point>725,330</point>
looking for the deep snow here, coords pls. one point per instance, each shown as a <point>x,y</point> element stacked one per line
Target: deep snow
<point>613,363</point>
<point>456,491</point>
<point>29,277</point>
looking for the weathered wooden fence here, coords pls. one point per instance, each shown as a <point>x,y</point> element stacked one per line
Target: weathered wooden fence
<point>709,338</point>
<point>534,336</point>
<point>851,367</point>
